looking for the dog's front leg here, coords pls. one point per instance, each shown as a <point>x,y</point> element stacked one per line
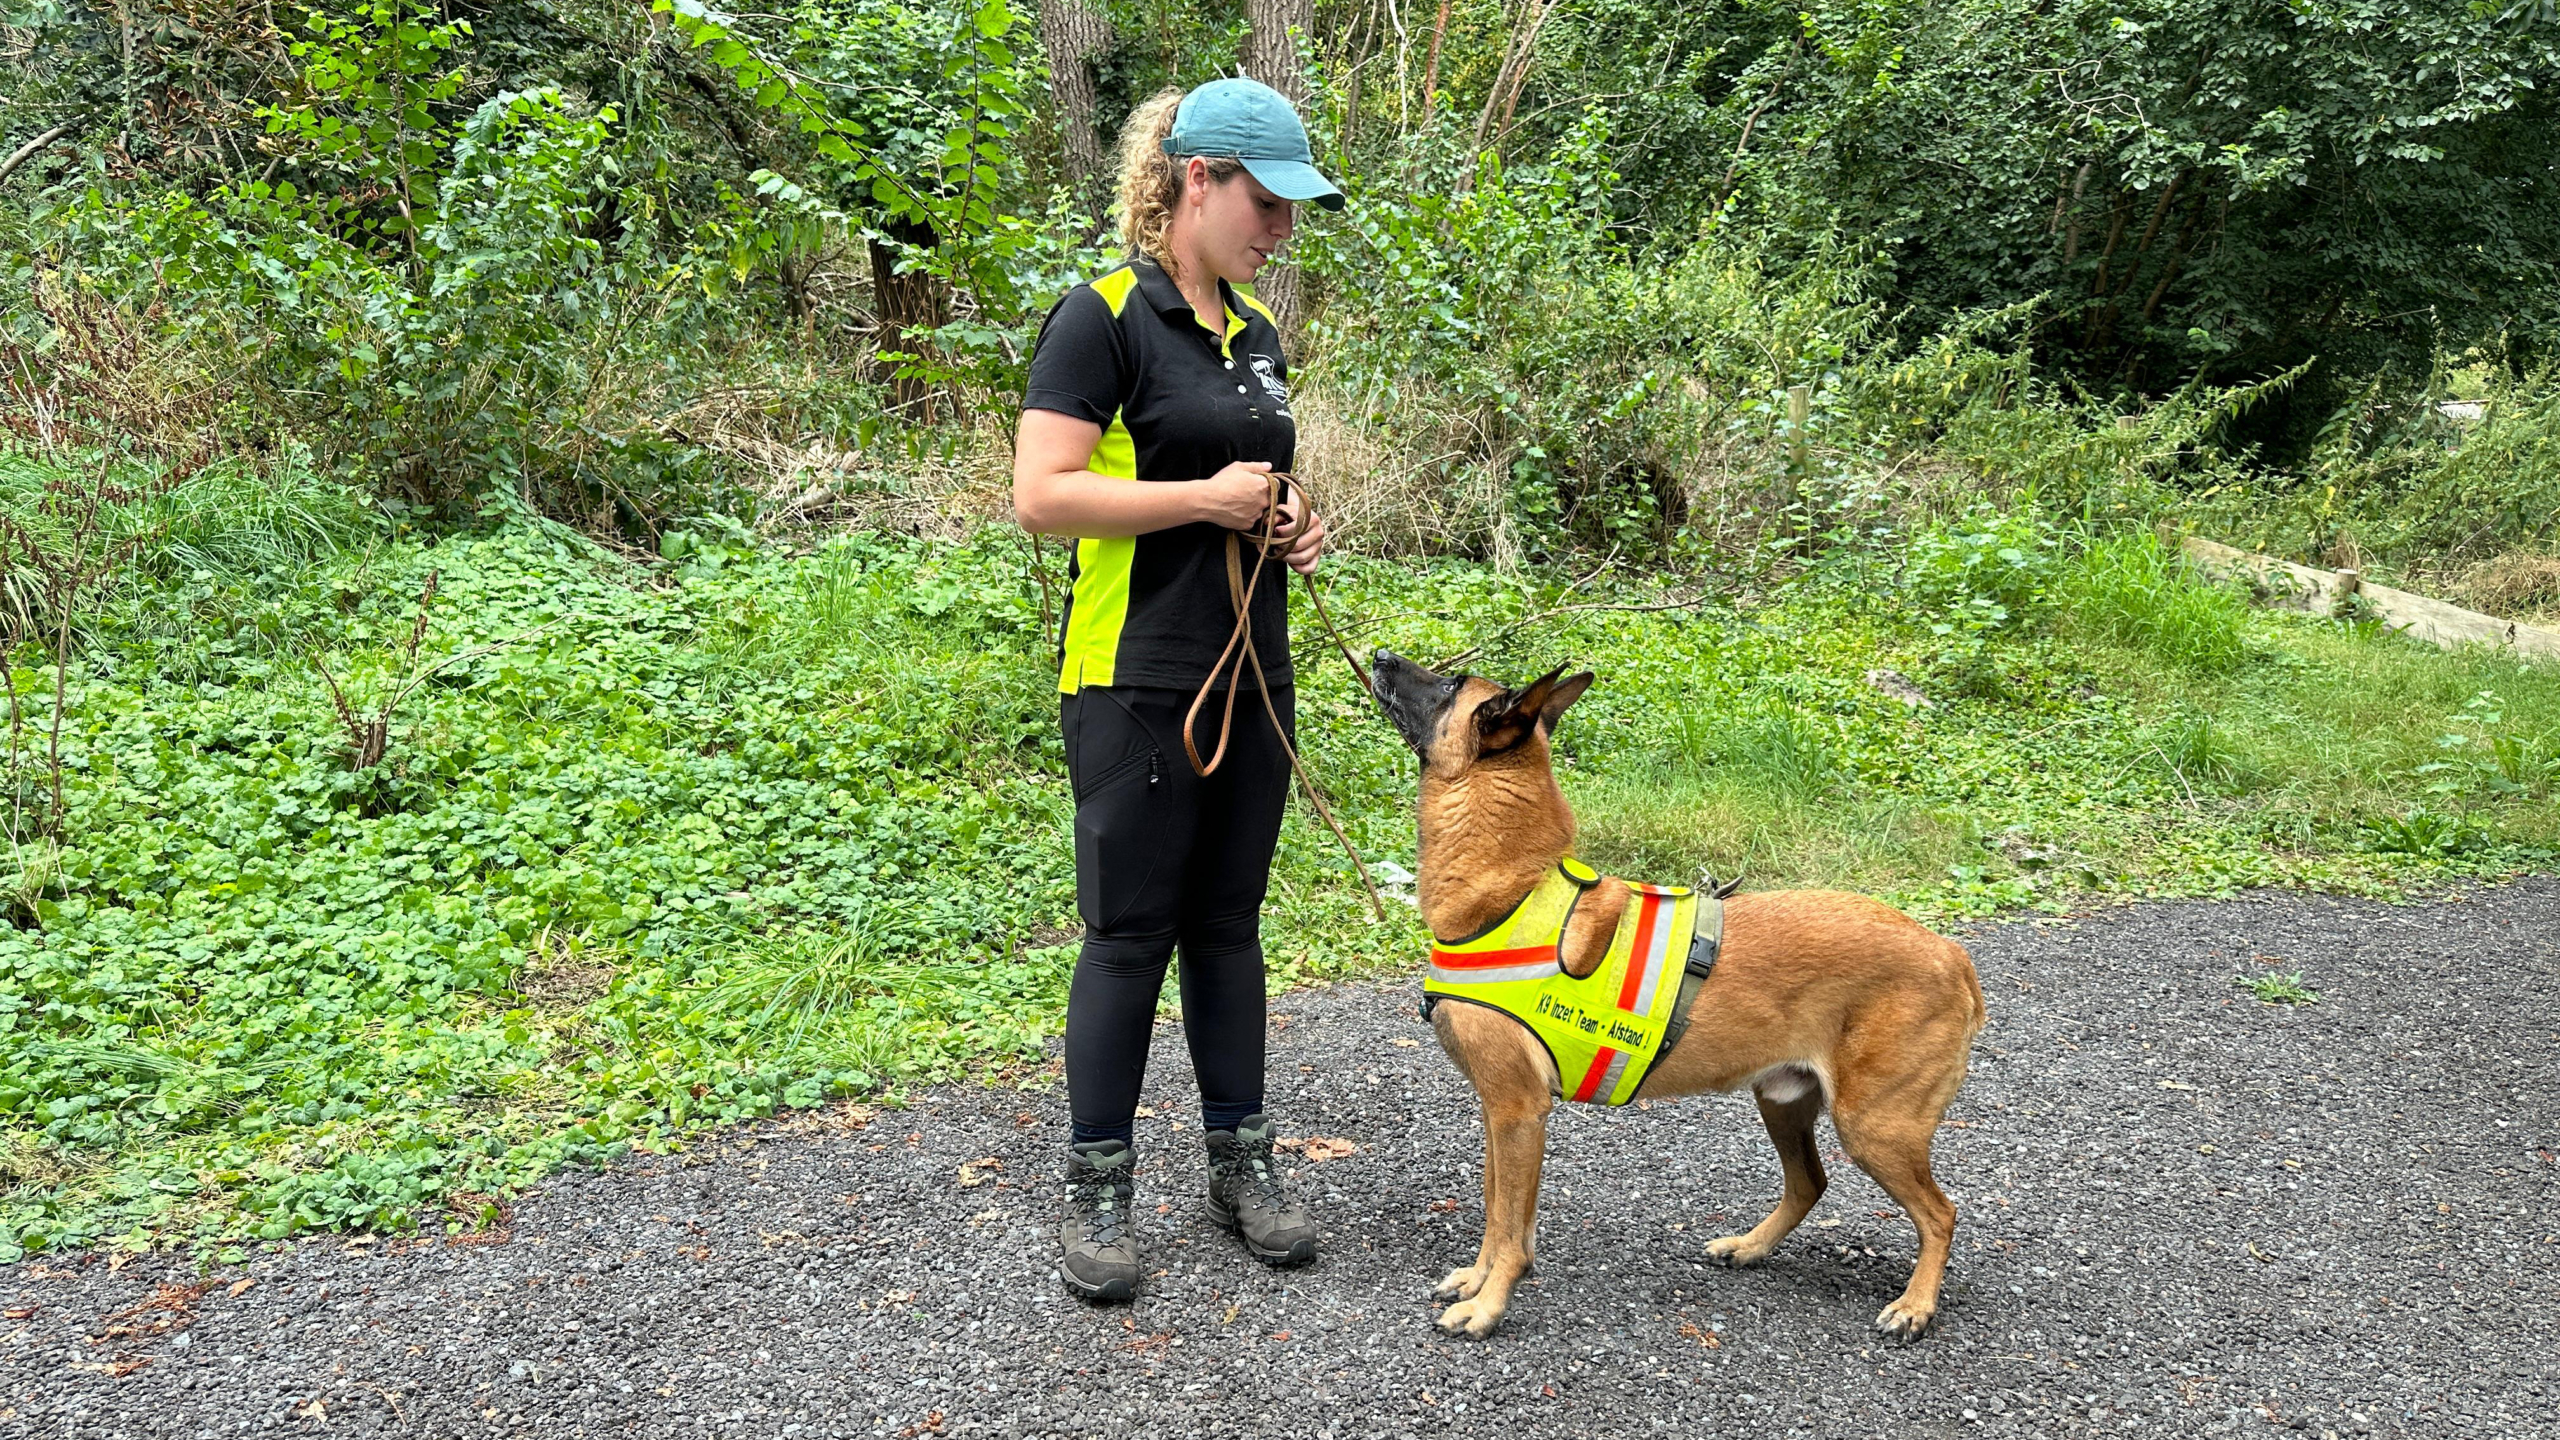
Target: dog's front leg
<point>1515,1132</point>
<point>1464,1282</point>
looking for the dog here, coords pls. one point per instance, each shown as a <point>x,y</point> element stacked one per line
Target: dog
<point>1814,999</point>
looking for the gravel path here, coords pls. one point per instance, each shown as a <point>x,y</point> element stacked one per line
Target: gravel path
<point>2184,1213</point>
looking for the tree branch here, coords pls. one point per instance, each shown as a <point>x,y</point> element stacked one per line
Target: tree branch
<point>1685,602</point>
<point>35,147</point>
<point>1724,187</point>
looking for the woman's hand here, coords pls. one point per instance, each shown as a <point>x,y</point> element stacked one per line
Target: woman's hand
<point>1300,538</point>
<point>1238,496</point>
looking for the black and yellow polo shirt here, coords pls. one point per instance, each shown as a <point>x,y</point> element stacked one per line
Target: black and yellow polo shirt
<point>1176,401</point>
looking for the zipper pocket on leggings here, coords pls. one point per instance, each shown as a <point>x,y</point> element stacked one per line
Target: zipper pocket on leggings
<point>1119,770</point>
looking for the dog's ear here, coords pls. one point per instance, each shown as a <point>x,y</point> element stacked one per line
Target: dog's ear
<point>1560,699</point>
<point>1508,718</point>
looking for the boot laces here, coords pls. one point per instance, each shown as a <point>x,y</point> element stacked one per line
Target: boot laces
<point>1261,1178</point>
<point>1101,1202</point>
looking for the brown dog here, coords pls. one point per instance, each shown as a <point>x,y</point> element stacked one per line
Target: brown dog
<point>1818,998</point>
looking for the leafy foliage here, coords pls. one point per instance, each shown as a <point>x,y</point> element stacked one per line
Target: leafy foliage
<point>2191,183</point>
<point>1986,570</point>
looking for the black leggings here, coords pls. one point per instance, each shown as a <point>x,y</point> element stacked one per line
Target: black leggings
<point>1167,858</point>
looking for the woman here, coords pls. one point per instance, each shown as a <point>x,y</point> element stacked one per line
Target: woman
<point>1162,372</point>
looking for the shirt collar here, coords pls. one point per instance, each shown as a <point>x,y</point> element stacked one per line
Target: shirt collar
<point>1167,297</point>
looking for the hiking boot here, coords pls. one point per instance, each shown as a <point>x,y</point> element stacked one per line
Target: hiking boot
<point>1097,1256</point>
<point>1246,1196</point>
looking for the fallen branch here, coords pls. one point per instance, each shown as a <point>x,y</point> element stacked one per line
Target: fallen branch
<point>2323,592</point>
<point>35,147</point>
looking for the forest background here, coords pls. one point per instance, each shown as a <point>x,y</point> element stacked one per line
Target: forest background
<point>514,652</point>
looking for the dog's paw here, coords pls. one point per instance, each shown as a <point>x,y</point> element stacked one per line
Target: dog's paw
<point>1474,1319</point>
<point>1462,1284</point>
<point>1736,1251</point>
<point>1905,1319</point>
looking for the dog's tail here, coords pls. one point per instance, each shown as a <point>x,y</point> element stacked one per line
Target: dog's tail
<point>1972,983</point>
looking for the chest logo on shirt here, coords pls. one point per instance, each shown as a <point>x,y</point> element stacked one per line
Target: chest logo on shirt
<point>1263,369</point>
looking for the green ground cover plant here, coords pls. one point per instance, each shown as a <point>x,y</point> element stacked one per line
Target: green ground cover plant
<point>662,843</point>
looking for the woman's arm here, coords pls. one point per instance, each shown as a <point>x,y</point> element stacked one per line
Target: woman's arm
<point>1054,494</point>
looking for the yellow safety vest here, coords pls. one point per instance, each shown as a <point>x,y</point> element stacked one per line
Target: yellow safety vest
<point>1605,1030</point>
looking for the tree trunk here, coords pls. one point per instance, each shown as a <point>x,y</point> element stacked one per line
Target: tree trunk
<point>1507,82</point>
<point>1271,51</point>
<point>2071,237</point>
<point>1271,56</point>
<point>1431,67</point>
<point>2177,258</point>
<point>1076,36</point>
<point>2105,331</point>
<point>2121,209</point>
<point>908,305</point>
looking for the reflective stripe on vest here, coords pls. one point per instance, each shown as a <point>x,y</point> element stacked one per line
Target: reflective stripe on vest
<point>1603,1031</point>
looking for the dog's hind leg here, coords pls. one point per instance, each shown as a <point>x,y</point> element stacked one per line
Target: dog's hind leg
<point>1888,1133</point>
<point>1790,1121</point>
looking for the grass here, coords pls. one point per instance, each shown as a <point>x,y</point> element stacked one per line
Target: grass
<point>2131,590</point>
<point>701,841</point>
<point>2274,988</point>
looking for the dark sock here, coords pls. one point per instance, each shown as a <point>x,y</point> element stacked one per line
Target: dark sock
<point>1126,1132</point>
<point>1226,1117</point>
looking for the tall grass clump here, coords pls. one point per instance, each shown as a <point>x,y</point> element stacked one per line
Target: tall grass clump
<point>2132,590</point>
<point>236,519</point>
<point>193,545</point>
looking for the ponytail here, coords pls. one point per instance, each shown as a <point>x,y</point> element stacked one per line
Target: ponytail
<point>1151,180</point>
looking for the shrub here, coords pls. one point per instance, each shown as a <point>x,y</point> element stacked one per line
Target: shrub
<point>2395,479</point>
<point>1987,570</point>
<point>1510,345</point>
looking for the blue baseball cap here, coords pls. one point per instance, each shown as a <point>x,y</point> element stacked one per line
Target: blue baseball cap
<point>1249,121</point>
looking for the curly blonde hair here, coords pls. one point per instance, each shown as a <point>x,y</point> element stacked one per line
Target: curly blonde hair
<point>1151,180</point>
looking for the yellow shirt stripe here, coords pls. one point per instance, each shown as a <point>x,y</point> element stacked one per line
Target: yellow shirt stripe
<point>1100,609</point>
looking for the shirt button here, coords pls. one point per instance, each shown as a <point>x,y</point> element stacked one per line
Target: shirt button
<point>1239,389</point>
<point>1231,364</point>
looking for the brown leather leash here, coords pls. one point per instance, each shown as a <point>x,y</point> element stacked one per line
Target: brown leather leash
<point>1239,648</point>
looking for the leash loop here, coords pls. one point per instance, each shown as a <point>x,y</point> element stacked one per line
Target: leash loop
<point>1239,646</point>
<point>1240,649</point>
